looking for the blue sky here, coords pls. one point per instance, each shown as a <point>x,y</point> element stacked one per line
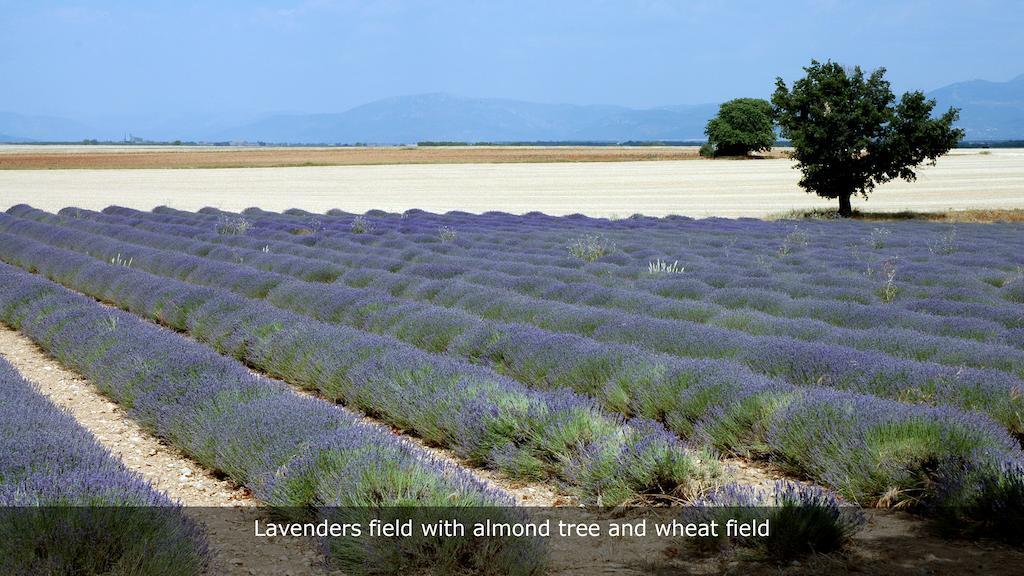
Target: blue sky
<point>134,57</point>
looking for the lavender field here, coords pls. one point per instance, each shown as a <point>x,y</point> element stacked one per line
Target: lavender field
<point>626,362</point>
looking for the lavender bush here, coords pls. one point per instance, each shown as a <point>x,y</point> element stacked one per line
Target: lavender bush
<point>734,412</point>
<point>286,448</point>
<point>50,467</point>
<point>911,344</point>
<point>435,329</point>
<point>478,413</point>
<point>802,519</point>
<point>981,501</point>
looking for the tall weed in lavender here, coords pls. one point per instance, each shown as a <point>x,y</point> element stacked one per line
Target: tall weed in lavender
<point>590,247</point>
<point>660,266</point>
<point>945,243</point>
<point>446,234</point>
<point>233,225</point>
<point>889,290</point>
<point>797,239</point>
<point>879,237</point>
<point>361,225</point>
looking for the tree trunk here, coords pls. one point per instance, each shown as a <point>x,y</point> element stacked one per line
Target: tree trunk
<point>845,210</point>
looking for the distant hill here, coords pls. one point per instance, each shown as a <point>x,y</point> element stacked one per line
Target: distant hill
<point>439,117</point>
<point>988,110</point>
<point>667,123</point>
<point>25,128</point>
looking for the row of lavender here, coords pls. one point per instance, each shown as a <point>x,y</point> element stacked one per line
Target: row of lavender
<point>838,259</point>
<point>539,357</point>
<point>846,440</point>
<point>817,261</point>
<point>521,351</point>
<point>825,514</point>
<point>726,307</point>
<point>48,460</point>
<point>486,418</point>
<point>727,301</point>
<point>984,272</point>
<point>705,242</point>
<point>292,452</point>
<point>996,324</point>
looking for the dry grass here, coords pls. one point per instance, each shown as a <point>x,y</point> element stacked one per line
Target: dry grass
<point>976,216</point>
<point>117,157</point>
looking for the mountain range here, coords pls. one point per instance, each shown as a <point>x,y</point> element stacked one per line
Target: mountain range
<point>443,117</point>
<point>25,128</point>
<point>989,111</point>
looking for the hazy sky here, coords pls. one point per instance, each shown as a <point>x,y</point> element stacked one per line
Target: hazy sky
<point>136,57</point>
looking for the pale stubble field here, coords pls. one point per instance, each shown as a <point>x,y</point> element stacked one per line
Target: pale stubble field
<point>730,188</point>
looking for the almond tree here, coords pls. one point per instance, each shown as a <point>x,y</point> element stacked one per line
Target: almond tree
<point>849,133</point>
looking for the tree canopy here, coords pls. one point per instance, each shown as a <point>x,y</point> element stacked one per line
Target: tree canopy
<point>742,126</point>
<point>849,133</point>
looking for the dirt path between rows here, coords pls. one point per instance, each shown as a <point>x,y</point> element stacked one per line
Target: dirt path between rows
<point>166,468</point>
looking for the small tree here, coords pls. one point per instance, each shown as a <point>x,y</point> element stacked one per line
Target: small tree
<point>743,125</point>
<point>849,134</point>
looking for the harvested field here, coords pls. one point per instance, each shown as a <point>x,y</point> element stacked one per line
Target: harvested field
<point>25,157</point>
<point>966,179</point>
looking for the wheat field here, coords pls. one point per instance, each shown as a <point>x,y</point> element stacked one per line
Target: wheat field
<point>964,179</point>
